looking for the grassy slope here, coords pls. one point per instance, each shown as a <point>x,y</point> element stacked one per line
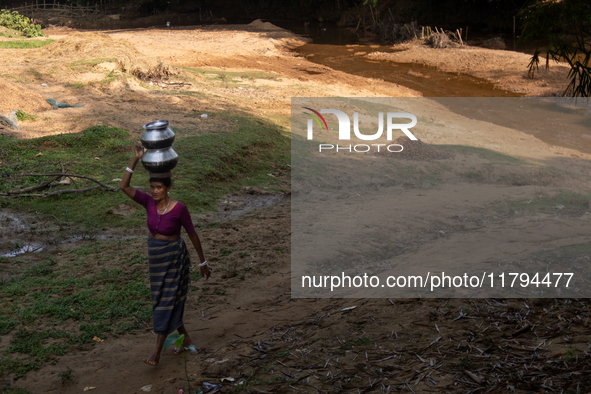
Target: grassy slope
<point>209,167</point>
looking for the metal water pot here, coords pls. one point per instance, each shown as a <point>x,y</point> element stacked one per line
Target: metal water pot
<point>158,139</point>
<point>157,135</point>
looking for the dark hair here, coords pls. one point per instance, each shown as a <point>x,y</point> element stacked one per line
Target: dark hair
<point>165,181</point>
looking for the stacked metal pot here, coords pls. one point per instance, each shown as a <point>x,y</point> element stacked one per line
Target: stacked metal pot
<point>157,139</point>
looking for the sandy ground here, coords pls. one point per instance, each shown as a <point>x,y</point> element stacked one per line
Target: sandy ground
<point>255,329</point>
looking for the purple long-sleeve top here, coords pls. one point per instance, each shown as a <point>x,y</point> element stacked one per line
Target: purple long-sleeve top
<point>168,224</point>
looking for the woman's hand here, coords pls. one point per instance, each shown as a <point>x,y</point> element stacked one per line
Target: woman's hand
<point>138,150</point>
<point>205,271</point>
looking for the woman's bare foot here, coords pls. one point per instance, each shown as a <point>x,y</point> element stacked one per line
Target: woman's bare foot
<point>186,343</point>
<point>152,360</point>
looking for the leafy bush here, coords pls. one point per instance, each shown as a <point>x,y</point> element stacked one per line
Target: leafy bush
<point>21,115</point>
<point>13,20</point>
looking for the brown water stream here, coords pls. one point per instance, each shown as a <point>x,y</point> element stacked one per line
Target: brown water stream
<point>344,49</point>
<point>427,80</point>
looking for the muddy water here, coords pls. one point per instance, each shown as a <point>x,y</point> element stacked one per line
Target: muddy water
<point>344,49</point>
<point>427,80</point>
<point>24,233</point>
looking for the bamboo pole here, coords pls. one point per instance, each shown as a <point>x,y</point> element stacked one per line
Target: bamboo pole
<point>460,37</point>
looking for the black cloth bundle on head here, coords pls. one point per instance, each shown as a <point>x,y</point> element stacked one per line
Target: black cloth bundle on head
<point>163,177</point>
<point>160,175</point>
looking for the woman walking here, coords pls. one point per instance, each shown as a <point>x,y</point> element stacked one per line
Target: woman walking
<point>169,263</point>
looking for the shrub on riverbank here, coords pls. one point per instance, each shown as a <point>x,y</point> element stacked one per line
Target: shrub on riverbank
<point>14,20</point>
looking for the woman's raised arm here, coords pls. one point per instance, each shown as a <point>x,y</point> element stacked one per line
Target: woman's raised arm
<point>138,151</point>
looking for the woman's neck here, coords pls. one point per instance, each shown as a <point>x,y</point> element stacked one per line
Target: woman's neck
<point>162,204</point>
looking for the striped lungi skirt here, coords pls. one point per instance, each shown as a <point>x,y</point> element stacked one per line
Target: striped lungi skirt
<point>170,276</point>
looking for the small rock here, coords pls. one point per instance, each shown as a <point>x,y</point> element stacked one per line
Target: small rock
<point>12,117</point>
<point>5,121</point>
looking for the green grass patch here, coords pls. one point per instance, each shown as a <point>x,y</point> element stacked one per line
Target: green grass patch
<point>76,85</point>
<point>229,76</point>
<point>87,65</point>
<point>110,78</point>
<point>210,166</point>
<point>24,44</point>
<point>16,78</point>
<point>577,249</point>
<point>36,73</point>
<point>562,203</point>
<point>567,254</point>
<point>10,33</point>
<point>483,153</point>
<point>52,308</point>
